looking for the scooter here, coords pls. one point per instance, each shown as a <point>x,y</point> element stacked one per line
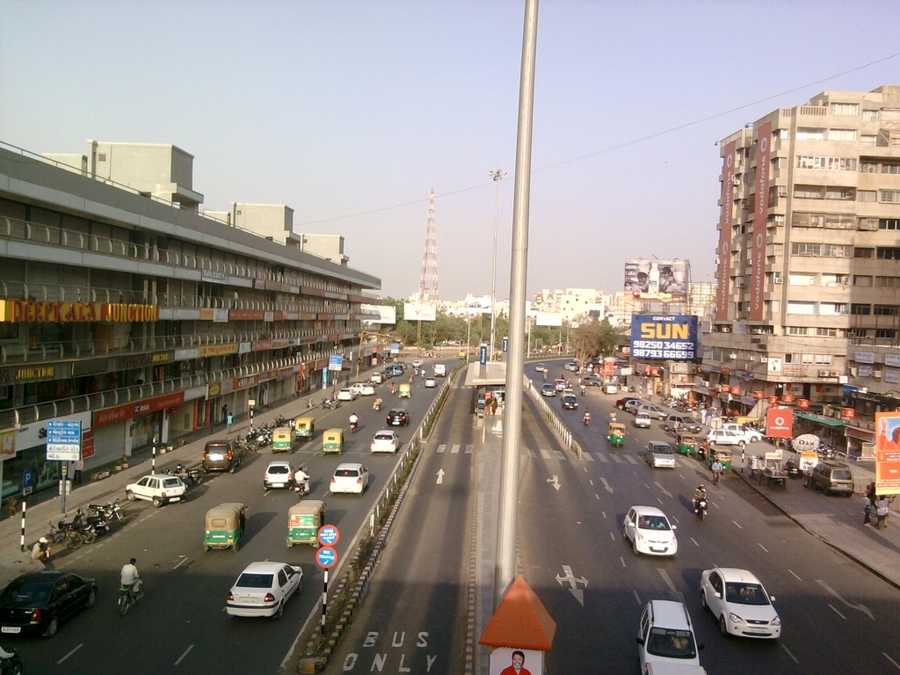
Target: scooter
<point>586,419</point>
<point>354,427</point>
<point>302,487</point>
<point>330,404</point>
<point>700,507</point>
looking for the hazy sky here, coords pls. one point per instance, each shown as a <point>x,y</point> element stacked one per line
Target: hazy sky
<point>340,107</point>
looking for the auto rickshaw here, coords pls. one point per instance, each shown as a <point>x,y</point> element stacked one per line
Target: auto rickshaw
<point>225,525</point>
<point>304,519</point>
<point>333,441</point>
<point>304,427</point>
<point>283,439</point>
<point>686,444</point>
<point>616,434</point>
<point>722,455</point>
<point>404,391</point>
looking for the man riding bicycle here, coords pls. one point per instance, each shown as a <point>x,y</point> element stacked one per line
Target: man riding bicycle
<point>131,579</point>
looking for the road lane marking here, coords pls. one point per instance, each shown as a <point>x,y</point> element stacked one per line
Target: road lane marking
<point>70,652</point>
<point>441,448</point>
<point>896,665</point>
<point>554,481</point>
<point>585,469</point>
<point>647,485</point>
<point>184,654</point>
<point>695,542</point>
<point>606,485</point>
<point>569,579</point>
<point>835,610</point>
<point>591,481</point>
<point>617,459</point>
<point>762,547</point>
<point>794,574</point>
<point>717,506</point>
<point>622,560</point>
<point>601,458</point>
<point>637,598</point>
<point>455,449</point>
<point>612,536</point>
<point>664,491</point>
<point>788,652</point>
<point>184,560</point>
<point>588,456</point>
<point>469,449</point>
<point>604,514</point>
<point>675,518</point>
<point>439,477</point>
<point>630,459</point>
<point>667,579</point>
<point>736,524</point>
<point>858,607</point>
<point>659,500</point>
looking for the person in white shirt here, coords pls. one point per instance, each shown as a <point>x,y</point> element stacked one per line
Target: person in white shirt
<point>131,578</point>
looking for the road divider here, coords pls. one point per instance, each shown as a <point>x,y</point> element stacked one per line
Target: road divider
<point>559,428</point>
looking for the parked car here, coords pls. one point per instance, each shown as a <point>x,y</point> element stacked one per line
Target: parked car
<point>385,441</point>
<point>747,433</point>
<point>349,477</point>
<point>620,404</point>
<point>666,638</point>
<point>652,411</point>
<point>157,488</point>
<point>38,602</point>
<point>591,381</point>
<point>548,390</point>
<point>279,474</point>
<point>569,402</point>
<point>682,423</point>
<point>633,406</point>
<point>642,420</point>
<point>397,417</point>
<point>660,455</point>
<point>739,602</point>
<point>725,437</point>
<point>430,383</point>
<point>263,589</point>
<point>832,477</point>
<point>649,531</point>
<point>346,394</point>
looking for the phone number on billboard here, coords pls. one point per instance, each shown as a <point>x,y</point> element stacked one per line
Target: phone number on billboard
<point>661,349</point>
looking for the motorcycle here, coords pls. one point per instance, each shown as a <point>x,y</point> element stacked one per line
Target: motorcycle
<point>700,507</point>
<point>302,487</point>
<point>12,663</point>
<point>330,404</point>
<point>125,599</point>
<point>354,427</point>
<point>586,420</point>
<point>376,404</point>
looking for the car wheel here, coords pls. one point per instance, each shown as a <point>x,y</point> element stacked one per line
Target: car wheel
<point>280,611</point>
<point>52,627</point>
<point>129,495</point>
<point>157,502</point>
<point>91,599</point>
<point>723,627</point>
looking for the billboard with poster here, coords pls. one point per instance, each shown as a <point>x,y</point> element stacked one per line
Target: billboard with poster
<point>666,337</point>
<point>387,314</point>
<point>780,422</point>
<point>887,453</point>
<point>413,311</point>
<point>549,319</point>
<point>650,278</point>
<point>515,661</point>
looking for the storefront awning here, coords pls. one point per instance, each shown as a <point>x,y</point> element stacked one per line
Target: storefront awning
<point>820,419</point>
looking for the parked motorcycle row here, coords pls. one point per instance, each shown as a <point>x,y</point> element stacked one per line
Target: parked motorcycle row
<point>85,526</point>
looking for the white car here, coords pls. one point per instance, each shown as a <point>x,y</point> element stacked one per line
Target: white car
<point>349,477</point>
<point>666,642</point>
<point>416,364</point>
<point>385,441</point>
<point>279,474</point>
<point>430,383</point>
<point>748,434</point>
<point>376,378</point>
<point>541,368</point>
<point>660,455</point>
<point>561,385</point>
<point>263,588</point>
<point>725,437</point>
<point>652,411</point>
<point>366,389</point>
<point>346,394</point>
<point>740,603</point>
<point>159,489</point>
<point>572,366</point>
<point>649,531</point>
<point>642,420</point>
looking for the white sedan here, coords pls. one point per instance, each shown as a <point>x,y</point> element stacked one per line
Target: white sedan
<point>740,603</point>
<point>649,531</point>
<point>263,588</point>
<point>430,383</point>
<point>363,388</point>
<point>349,477</point>
<point>347,394</point>
<point>385,441</point>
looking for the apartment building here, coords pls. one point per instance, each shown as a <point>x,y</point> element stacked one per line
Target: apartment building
<point>125,308</point>
<point>808,258</point>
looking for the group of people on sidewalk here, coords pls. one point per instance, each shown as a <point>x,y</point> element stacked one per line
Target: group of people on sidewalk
<point>877,507</point>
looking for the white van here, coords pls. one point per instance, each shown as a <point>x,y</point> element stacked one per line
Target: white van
<point>666,638</point>
<point>440,370</point>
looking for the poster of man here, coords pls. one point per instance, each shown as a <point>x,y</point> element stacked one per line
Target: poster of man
<point>509,661</point>
<point>652,278</point>
<point>887,453</point>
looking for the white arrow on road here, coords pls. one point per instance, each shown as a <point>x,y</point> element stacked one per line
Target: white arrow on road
<point>440,476</point>
<point>554,481</point>
<point>569,579</point>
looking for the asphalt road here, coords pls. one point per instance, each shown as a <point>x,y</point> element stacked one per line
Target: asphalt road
<point>414,613</point>
<point>180,625</point>
<point>837,617</point>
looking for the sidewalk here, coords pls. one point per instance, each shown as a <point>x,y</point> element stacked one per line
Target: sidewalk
<point>838,521</point>
<point>14,562</point>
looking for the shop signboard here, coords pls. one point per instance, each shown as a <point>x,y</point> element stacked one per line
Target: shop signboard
<point>887,453</point>
<point>808,460</point>
<point>143,408</point>
<point>805,442</point>
<point>780,422</point>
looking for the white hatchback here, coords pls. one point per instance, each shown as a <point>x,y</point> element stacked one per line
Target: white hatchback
<point>740,603</point>
<point>385,441</point>
<point>279,474</point>
<point>263,588</point>
<point>430,383</point>
<point>666,642</point>
<point>376,378</point>
<point>349,477</point>
<point>346,394</point>
<point>649,531</point>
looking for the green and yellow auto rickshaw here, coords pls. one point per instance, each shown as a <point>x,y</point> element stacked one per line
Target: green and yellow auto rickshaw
<point>304,428</point>
<point>304,520</point>
<point>333,441</point>
<point>283,439</point>
<point>616,434</point>
<point>224,526</point>
<point>724,456</point>
<point>686,444</point>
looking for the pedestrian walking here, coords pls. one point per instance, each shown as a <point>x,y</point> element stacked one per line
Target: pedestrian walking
<point>494,406</point>
<point>882,508</point>
<point>867,511</point>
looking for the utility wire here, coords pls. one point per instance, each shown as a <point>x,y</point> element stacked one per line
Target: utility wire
<point>613,147</point>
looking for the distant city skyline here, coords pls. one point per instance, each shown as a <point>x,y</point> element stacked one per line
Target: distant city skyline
<point>333,118</point>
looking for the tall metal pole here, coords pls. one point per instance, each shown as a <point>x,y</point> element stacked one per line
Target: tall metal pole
<point>515,366</point>
<point>468,335</point>
<point>496,176</point>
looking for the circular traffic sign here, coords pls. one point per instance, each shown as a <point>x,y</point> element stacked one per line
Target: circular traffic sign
<point>326,557</point>
<point>328,535</point>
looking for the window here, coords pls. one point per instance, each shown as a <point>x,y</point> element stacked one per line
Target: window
<point>806,308</point>
<point>890,167</point>
<point>809,192</point>
<point>868,167</point>
<point>869,224</point>
<point>888,253</point>
<point>885,310</point>
<point>845,109</point>
<point>889,223</point>
<point>829,163</point>
<point>826,220</point>
<point>866,196</point>
<point>809,134</point>
<point>863,252</point>
<point>823,359</point>
<point>860,309</point>
<point>832,308</point>
<point>887,282</point>
<point>888,333</point>
<point>842,194</point>
<point>802,279</point>
<point>807,359</point>
<point>842,134</point>
<point>813,250</point>
<point>890,196</point>
<point>796,330</point>
<point>826,332</point>
<point>870,115</point>
<point>834,280</point>
<point>858,332</point>
<point>868,139</point>
<point>862,280</point>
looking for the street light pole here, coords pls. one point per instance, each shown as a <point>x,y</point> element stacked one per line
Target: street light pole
<point>496,176</point>
<point>515,366</point>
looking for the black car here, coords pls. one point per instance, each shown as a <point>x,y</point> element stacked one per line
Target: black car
<point>569,402</point>
<point>38,602</point>
<point>397,418</point>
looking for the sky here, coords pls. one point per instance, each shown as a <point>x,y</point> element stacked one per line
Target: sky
<point>345,110</point>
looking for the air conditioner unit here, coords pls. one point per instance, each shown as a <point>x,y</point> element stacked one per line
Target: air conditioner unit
<point>778,280</point>
<point>854,371</point>
<point>832,373</point>
<point>823,373</point>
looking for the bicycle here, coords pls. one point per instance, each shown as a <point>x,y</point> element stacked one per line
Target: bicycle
<point>126,599</point>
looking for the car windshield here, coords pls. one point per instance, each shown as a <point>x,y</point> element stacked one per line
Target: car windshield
<point>346,473</point>
<point>27,592</point>
<point>745,594</point>
<point>218,447</point>
<point>673,644</point>
<point>653,523</point>
<point>569,399</point>
<point>279,469</point>
<point>840,474</point>
<point>384,437</point>
<point>249,580</point>
<point>662,449</point>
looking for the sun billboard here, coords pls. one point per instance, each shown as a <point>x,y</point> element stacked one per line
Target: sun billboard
<point>416,312</point>
<point>668,337</point>
<point>660,279</point>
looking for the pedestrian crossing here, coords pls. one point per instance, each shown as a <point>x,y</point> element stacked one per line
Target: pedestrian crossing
<point>454,449</point>
<point>547,454</point>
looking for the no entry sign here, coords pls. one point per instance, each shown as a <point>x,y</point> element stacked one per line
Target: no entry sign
<point>329,535</point>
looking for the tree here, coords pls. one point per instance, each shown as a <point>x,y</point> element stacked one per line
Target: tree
<point>597,338</point>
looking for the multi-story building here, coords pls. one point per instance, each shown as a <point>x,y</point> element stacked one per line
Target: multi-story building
<point>808,254</point>
<point>124,308</point>
<point>573,304</point>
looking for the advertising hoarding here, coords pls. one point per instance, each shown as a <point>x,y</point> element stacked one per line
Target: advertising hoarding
<point>723,271</point>
<point>548,319</point>
<point>887,453</point>
<point>387,314</point>
<point>419,312</point>
<point>666,337</point>
<point>650,278</point>
<point>335,362</point>
<point>760,216</point>
<point>780,422</point>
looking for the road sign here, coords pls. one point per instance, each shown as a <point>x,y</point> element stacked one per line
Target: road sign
<point>328,535</point>
<point>335,362</point>
<point>64,440</point>
<point>482,354</point>
<point>326,557</point>
<point>27,481</point>
<point>504,344</point>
